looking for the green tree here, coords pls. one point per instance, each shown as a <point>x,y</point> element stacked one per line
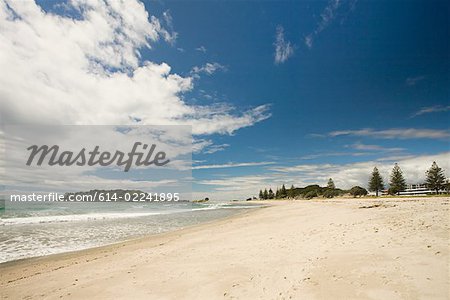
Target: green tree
<point>261,195</point>
<point>311,194</point>
<point>271,194</point>
<point>265,194</point>
<point>283,192</point>
<point>291,192</point>
<point>329,193</point>
<point>435,178</point>
<point>330,184</point>
<point>397,183</point>
<point>277,194</point>
<point>376,183</point>
<point>358,191</point>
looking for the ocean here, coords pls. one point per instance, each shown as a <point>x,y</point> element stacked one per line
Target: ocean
<point>31,230</point>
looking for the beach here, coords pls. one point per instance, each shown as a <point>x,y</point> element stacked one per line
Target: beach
<point>356,248</point>
<point>41,229</point>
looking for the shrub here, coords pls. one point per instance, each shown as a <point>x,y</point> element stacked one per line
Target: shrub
<point>330,193</point>
<point>358,191</point>
<point>311,194</point>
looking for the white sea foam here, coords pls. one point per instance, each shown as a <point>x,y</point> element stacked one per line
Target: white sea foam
<point>72,218</point>
<point>49,231</point>
<point>41,219</point>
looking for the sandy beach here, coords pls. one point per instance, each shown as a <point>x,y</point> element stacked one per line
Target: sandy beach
<point>321,249</point>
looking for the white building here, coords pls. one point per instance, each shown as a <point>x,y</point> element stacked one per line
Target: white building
<point>418,189</point>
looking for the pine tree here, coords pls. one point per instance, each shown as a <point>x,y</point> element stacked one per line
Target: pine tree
<point>283,192</point>
<point>290,192</point>
<point>277,194</point>
<point>261,195</point>
<point>265,194</point>
<point>435,178</point>
<point>271,195</point>
<point>330,184</point>
<point>376,182</point>
<point>397,183</point>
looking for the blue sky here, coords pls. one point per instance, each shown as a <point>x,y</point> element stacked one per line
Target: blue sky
<point>342,86</point>
<point>375,64</point>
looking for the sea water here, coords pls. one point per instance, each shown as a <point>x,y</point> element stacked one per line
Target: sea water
<point>42,229</point>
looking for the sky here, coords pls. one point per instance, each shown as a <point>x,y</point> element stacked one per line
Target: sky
<point>276,92</point>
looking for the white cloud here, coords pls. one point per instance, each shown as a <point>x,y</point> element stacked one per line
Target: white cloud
<point>366,147</point>
<point>168,18</point>
<point>201,49</point>
<point>396,133</point>
<point>208,68</point>
<point>431,109</point>
<point>302,168</point>
<point>283,48</point>
<point>216,148</point>
<point>309,40</point>
<point>328,15</point>
<point>232,165</point>
<point>411,81</point>
<point>224,123</point>
<point>396,157</point>
<point>344,175</point>
<point>348,175</point>
<point>239,187</point>
<point>88,70</point>
<point>172,36</point>
<point>328,154</point>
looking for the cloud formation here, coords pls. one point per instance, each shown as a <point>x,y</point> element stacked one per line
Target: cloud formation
<point>331,154</point>
<point>208,68</point>
<point>395,133</point>
<point>366,147</point>
<point>201,49</point>
<point>232,165</point>
<point>215,148</point>
<point>431,109</point>
<point>169,23</point>
<point>283,48</point>
<point>411,81</point>
<point>334,9</point>
<point>88,70</point>
<point>348,175</point>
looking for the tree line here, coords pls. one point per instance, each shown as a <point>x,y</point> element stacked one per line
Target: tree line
<point>435,180</point>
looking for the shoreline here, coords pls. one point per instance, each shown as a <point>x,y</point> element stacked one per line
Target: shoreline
<point>317,248</point>
<point>181,219</point>
<point>108,247</point>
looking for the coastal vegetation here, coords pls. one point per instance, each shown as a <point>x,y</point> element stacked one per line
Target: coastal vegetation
<point>358,191</point>
<point>376,183</point>
<point>308,192</point>
<point>435,180</point>
<point>398,182</point>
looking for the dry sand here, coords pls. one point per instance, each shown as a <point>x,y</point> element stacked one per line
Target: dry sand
<point>322,249</point>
